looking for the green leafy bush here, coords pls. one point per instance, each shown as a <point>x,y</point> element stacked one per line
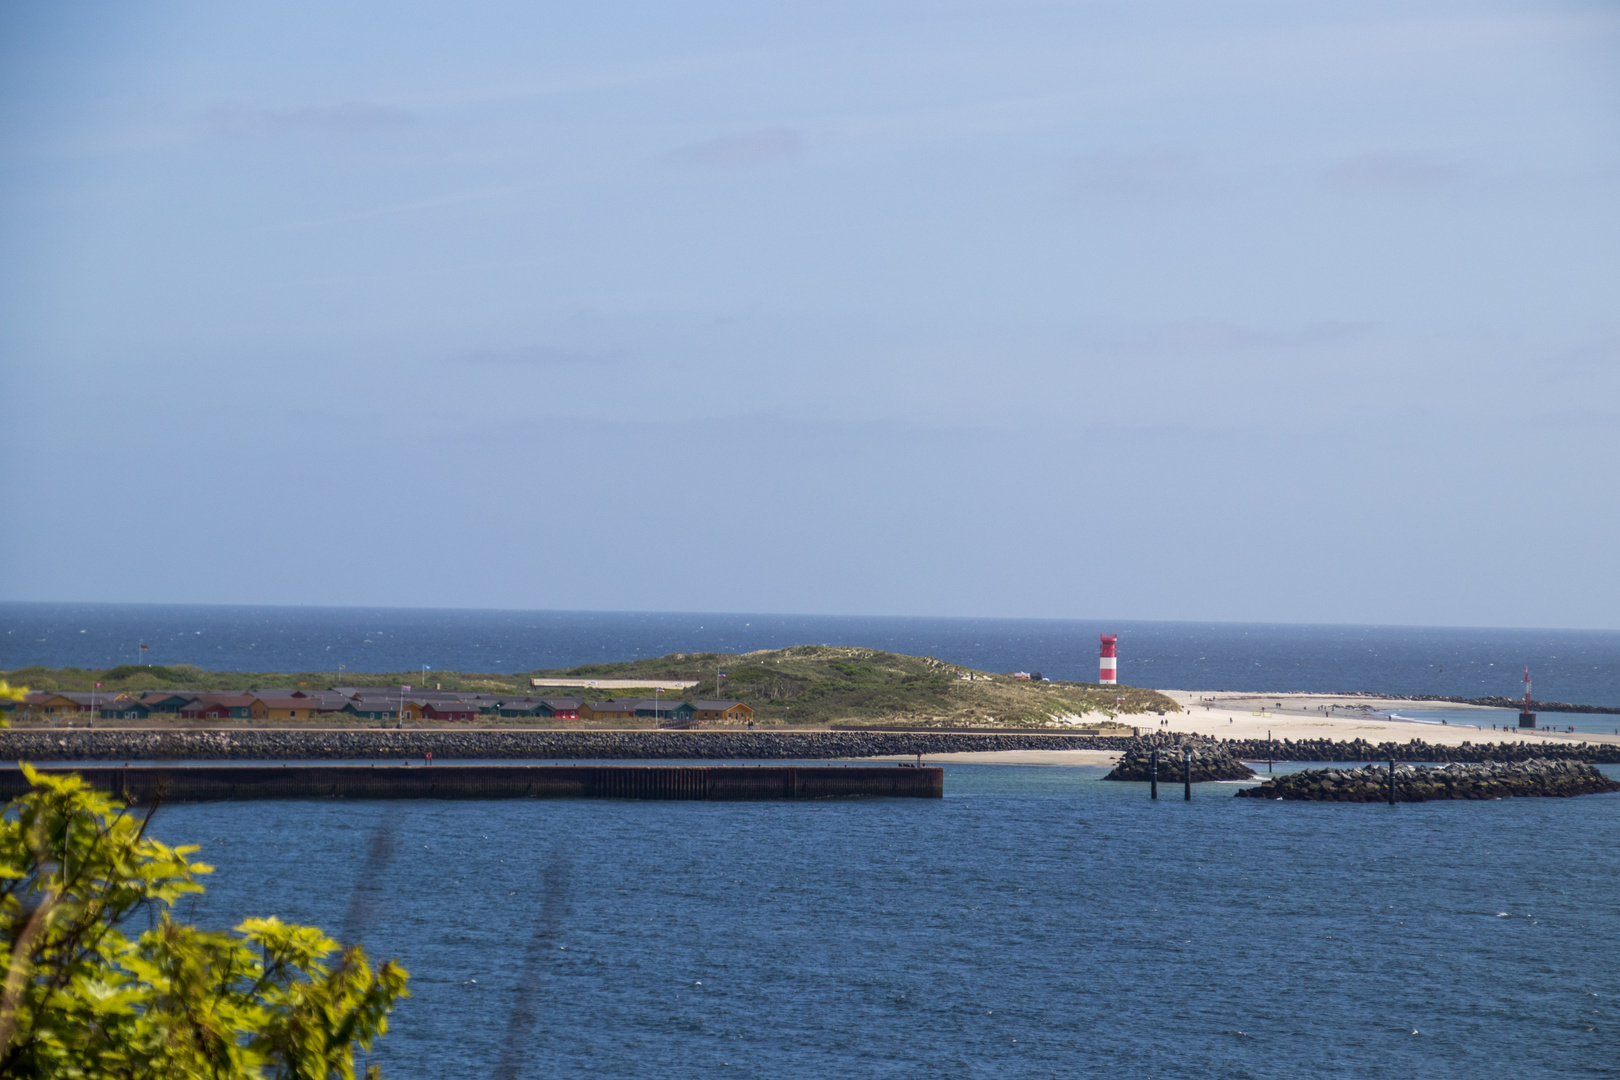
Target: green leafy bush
<point>83,999</point>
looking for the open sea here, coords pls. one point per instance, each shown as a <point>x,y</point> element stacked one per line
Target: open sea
<point>1036,922</point>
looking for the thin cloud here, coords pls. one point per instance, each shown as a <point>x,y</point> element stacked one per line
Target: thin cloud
<point>538,356</point>
<point>1392,172</point>
<point>352,117</point>
<point>1137,175</point>
<point>1578,420</point>
<point>744,151</point>
<point>1211,335</point>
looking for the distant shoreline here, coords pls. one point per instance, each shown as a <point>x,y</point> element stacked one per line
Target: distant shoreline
<point>1513,704</point>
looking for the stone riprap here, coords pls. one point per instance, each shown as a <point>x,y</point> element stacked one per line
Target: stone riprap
<point>1506,703</point>
<point>1211,760</point>
<point>246,744</point>
<point>262,744</point>
<point>1485,780</point>
<point>1417,750</point>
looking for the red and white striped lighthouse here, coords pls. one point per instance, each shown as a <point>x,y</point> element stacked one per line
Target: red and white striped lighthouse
<point>1107,663</point>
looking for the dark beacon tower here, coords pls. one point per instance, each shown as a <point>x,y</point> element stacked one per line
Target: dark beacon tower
<point>1526,717</point>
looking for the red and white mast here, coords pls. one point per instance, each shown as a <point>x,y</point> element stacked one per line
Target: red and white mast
<point>1527,719</point>
<point>1107,662</point>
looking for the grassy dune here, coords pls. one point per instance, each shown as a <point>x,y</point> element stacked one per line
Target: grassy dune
<point>805,684</point>
<point>134,677</point>
<point>826,684</point>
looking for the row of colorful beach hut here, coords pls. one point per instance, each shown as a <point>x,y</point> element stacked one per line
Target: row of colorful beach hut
<point>350,703</point>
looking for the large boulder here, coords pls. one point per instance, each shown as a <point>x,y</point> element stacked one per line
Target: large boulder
<point>1484,780</point>
<point>1211,760</point>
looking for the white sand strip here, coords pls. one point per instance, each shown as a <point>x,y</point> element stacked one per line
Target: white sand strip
<point>1326,716</point>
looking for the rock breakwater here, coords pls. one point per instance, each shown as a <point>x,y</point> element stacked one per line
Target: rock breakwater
<point>55,744</point>
<point>1458,780</point>
<point>1417,750</point>
<point>251,744</point>
<point>1211,760</point>
<point>1507,703</point>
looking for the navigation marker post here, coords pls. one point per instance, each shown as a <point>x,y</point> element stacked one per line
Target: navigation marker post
<point>1186,773</point>
<point>1153,783</point>
<point>1527,719</point>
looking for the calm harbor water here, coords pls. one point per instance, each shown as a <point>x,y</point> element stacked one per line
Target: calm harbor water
<point>1568,665</point>
<point>1036,922</point>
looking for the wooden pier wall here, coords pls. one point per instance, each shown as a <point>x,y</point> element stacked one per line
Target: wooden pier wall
<point>209,783</point>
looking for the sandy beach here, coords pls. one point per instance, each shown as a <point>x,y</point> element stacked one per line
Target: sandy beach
<point>1321,716</point>
<point>1328,716</point>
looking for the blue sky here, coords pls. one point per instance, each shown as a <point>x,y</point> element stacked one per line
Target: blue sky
<point>1250,311</point>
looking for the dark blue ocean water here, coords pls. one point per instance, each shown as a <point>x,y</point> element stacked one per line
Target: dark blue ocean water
<point>1037,922</point>
<point>1568,665</point>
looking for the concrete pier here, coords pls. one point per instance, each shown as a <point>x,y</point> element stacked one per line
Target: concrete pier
<point>210,783</point>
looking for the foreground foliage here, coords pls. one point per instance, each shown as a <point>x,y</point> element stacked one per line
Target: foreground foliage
<point>10,693</point>
<point>83,999</point>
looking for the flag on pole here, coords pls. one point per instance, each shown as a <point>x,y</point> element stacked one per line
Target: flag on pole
<point>98,686</point>
<point>146,648</point>
<point>406,689</point>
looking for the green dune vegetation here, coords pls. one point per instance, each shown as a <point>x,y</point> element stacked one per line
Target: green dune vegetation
<point>833,684</point>
<point>814,685</point>
<point>141,677</point>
